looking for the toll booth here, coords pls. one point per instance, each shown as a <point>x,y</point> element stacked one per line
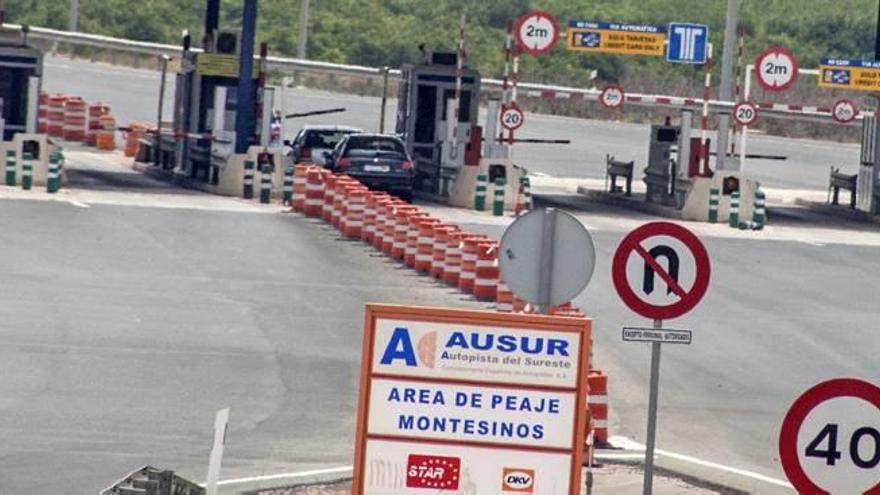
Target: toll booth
<point>867,190</point>
<point>21,70</point>
<point>425,106</point>
<point>662,169</point>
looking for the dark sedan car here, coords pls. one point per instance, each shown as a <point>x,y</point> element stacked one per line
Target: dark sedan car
<point>379,161</point>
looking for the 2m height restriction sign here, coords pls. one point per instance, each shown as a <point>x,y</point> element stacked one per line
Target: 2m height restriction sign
<point>830,439</point>
<point>537,32</point>
<point>661,270</point>
<point>776,69</point>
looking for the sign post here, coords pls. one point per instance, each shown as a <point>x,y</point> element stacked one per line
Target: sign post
<point>684,279</point>
<point>471,402</point>
<point>830,438</point>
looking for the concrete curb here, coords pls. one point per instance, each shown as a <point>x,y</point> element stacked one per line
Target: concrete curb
<point>690,479</point>
<point>634,202</point>
<point>838,211</point>
<point>169,176</point>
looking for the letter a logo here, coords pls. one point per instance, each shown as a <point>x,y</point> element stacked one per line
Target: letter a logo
<point>400,347</point>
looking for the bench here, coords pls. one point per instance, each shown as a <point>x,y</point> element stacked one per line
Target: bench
<point>839,181</point>
<point>615,169</point>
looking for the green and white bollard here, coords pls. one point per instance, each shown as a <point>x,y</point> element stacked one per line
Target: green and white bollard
<point>288,186</point>
<point>53,177</point>
<point>10,167</point>
<point>248,192</point>
<point>733,220</point>
<point>527,190</point>
<point>498,204</point>
<point>265,185</point>
<point>759,218</point>
<point>480,193</point>
<point>714,198</point>
<point>27,172</point>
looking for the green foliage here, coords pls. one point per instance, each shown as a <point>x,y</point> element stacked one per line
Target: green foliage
<point>388,32</point>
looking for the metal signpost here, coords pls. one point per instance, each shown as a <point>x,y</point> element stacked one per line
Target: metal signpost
<point>546,257</point>
<point>537,32</point>
<point>776,69</point>
<point>849,74</point>
<point>470,402</point>
<point>688,43</point>
<point>660,293</point>
<point>830,438</point>
<point>612,96</point>
<point>613,37</point>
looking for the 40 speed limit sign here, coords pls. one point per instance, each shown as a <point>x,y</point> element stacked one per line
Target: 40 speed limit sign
<point>830,439</point>
<point>745,113</point>
<point>512,117</point>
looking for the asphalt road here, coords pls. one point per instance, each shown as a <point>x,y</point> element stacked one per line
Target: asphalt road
<point>133,95</point>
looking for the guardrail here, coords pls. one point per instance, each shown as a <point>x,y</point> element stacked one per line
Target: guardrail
<point>531,90</point>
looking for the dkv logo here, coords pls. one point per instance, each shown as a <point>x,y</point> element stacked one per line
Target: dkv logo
<point>432,471</point>
<point>518,480</point>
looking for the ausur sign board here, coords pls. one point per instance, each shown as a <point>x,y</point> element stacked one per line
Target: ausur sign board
<point>470,401</point>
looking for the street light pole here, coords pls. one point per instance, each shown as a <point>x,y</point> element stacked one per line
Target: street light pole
<point>73,16</point>
<point>725,92</point>
<point>302,49</point>
<point>877,38</point>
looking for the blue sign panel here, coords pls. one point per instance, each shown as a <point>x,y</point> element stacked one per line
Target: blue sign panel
<point>688,43</point>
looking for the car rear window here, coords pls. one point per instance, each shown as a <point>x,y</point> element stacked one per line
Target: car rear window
<point>324,138</point>
<point>372,145</point>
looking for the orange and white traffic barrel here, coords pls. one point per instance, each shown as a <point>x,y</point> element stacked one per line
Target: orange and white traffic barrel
<point>354,221</point>
<point>339,187</point>
<point>519,305</point>
<point>487,272</point>
<point>94,125</point>
<point>55,116</point>
<point>43,114</point>
<point>74,127</point>
<point>401,228</point>
<point>369,230</point>
<point>390,224</point>
<point>425,246</point>
<point>452,265</point>
<point>438,255</point>
<point>329,196</point>
<point>107,135</point>
<point>300,181</point>
<point>504,298</point>
<point>314,193</point>
<point>381,216</point>
<point>412,237</point>
<point>136,130</point>
<point>469,262</point>
<point>597,402</point>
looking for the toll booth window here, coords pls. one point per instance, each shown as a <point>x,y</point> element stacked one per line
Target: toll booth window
<point>426,112</point>
<point>32,147</point>
<point>497,172</point>
<point>465,111</point>
<point>729,185</point>
<point>667,135</point>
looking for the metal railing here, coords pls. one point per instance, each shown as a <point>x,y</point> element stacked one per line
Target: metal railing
<point>326,68</point>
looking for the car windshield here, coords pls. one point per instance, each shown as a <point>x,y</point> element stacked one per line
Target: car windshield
<point>374,145</point>
<point>324,138</point>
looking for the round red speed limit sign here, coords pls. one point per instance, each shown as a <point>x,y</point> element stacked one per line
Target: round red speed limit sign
<point>512,117</point>
<point>745,113</point>
<point>612,96</point>
<point>844,111</point>
<point>661,270</point>
<point>830,439</point>
<point>537,32</point>
<point>776,69</point>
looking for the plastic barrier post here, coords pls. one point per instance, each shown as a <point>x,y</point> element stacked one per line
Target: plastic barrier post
<point>498,204</point>
<point>27,170</point>
<point>248,179</point>
<point>760,215</point>
<point>713,205</point>
<point>10,167</point>
<point>734,209</point>
<point>288,186</point>
<point>53,176</point>
<point>480,194</point>
<point>265,185</point>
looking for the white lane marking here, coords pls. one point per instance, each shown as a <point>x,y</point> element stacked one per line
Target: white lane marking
<point>626,443</point>
<point>618,457</point>
<point>540,174</point>
<point>300,474</point>
<point>79,204</point>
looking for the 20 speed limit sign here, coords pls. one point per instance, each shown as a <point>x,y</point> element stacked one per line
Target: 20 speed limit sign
<point>612,96</point>
<point>745,113</point>
<point>830,439</point>
<point>844,111</point>
<point>537,32</point>
<point>512,117</point>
